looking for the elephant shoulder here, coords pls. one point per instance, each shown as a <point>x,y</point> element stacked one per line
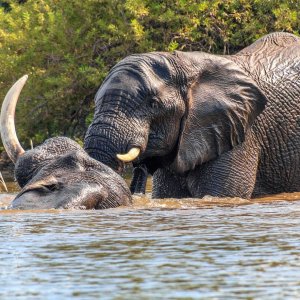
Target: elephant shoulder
<point>271,42</point>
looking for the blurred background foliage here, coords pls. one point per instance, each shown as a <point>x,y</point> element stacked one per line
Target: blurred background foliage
<point>68,47</point>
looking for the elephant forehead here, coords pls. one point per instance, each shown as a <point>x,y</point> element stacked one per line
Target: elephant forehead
<point>122,84</point>
<point>139,73</point>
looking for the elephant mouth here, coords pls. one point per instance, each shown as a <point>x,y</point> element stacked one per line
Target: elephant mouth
<point>136,155</point>
<point>154,154</point>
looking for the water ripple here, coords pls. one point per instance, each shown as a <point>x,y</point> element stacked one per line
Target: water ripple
<point>240,252</point>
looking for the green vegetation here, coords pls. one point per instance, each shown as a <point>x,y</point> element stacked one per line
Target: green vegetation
<point>67,47</point>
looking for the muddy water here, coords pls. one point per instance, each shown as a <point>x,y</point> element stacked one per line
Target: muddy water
<point>167,249</point>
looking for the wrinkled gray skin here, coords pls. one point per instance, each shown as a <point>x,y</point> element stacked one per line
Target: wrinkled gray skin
<point>60,174</point>
<point>206,124</point>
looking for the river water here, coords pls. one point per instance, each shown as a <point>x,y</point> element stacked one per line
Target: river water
<point>167,249</point>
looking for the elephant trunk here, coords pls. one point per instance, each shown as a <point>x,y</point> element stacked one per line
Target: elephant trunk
<point>139,180</point>
<point>103,144</point>
<point>115,140</point>
<point>7,121</point>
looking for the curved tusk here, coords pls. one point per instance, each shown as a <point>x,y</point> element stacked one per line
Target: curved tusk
<point>7,121</point>
<point>130,156</point>
<point>3,183</point>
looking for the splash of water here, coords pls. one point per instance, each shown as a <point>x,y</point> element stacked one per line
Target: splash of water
<point>146,202</point>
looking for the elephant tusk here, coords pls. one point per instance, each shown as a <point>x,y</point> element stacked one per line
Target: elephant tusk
<point>130,156</point>
<point>7,121</point>
<point>3,183</point>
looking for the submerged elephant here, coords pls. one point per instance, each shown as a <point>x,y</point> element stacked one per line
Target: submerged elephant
<point>204,124</point>
<point>58,173</point>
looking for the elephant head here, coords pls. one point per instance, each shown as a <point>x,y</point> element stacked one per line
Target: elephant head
<point>175,110</point>
<point>58,173</point>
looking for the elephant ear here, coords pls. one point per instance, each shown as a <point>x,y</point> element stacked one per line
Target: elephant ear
<point>223,103</point>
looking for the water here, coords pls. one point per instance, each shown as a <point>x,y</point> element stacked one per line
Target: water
<point>167,249</point>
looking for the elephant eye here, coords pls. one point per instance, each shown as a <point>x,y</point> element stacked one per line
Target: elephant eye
<point>50,187</point>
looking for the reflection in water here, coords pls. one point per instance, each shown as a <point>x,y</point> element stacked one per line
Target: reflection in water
<point>157,249</point>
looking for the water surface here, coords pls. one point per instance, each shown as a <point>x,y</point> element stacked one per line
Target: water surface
<point>157,249</point>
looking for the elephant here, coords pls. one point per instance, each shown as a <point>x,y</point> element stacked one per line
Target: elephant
<point>58,173</point>
<point>204,124</point>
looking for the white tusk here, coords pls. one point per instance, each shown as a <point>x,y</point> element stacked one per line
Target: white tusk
<point>7,120</point>
<point>3,182</point>
<point>130,156</point>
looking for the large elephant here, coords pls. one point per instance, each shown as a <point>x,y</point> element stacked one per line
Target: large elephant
<point>204,124</point>
<point>58,173</point>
